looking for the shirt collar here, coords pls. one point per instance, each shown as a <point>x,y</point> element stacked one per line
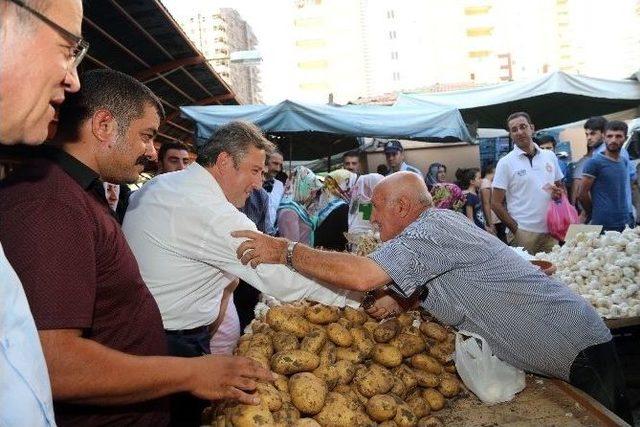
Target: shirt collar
<point>203,177</point>
<point>519,151</point>
<point>81,173</point>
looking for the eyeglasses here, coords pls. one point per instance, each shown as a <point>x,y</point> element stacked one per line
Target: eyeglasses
<point>79,46</point>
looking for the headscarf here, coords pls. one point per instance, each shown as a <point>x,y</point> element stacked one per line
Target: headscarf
<point>432,174</point>
<point>336,192</point>
<point>360,206</point>
<point>300,194</point>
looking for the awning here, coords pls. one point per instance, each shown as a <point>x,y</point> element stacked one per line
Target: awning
<point>551,100</point>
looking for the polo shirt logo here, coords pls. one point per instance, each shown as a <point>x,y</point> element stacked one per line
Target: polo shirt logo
<point>521,172</point>
<point>549,167</point>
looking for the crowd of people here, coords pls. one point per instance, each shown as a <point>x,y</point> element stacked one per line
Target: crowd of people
<point>119,307</point>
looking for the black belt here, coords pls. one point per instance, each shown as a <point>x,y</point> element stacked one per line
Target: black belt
<point>193,331</point>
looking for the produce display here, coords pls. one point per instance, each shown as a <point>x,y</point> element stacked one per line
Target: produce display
<point>605,270</point>
<point>340,367</point>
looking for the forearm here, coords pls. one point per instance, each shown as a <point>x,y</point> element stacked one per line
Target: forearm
<point>504,216</point>
<point>341,269</point>
<point>585,201</point>
<point>83,371</point>
<point>485,195</point>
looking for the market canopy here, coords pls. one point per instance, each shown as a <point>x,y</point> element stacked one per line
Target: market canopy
<point>310,127</point>
<point>551,100</point>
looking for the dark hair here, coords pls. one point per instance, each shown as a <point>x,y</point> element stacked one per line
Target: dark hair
<point>235,139</point>
<point>382,169</point>
<point>596,123</point>
<point>489,168</point>
<point>171,145</point>
<point>352,153</point>
<point>465,176</point>
<point>120,94</point>
<point>617,125</point>
<point>545,137</point>
<point>516,115</point>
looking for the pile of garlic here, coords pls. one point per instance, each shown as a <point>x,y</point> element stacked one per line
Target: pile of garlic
<point>605,270</point>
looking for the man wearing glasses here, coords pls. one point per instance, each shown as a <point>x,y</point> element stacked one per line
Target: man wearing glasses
<point>41,49</point>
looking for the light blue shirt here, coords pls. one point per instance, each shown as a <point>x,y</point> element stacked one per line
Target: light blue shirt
<point>630,167</point>
<point>407,167</point>
<point>25,391</point>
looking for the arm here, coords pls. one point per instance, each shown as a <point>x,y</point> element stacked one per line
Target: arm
<point>497,204</point>
<point>485,198</point>
<point>585,194</point>
<point>84,371</point>
<point>575,190</point>
<point>341,269</point>
<point>469,212</point>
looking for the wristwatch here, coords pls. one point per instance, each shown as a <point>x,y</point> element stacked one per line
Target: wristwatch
<point>290,248</point>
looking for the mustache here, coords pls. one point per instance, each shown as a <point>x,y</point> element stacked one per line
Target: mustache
<point>144,161</point>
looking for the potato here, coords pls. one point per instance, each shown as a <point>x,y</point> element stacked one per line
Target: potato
<point>362,341</point>
<point>370,327</point>
<point>356,317</point>
<point>339,335</point>
<point>450,367</point>
<point>377,380</point>
<point>405,416</point>
<point>328,373</point>
<point>251,415</point>
<point>433,331</point>
<point>336,412</point>
<point>387,355</point>
<point>441,353</point>
<point>426,379</point>
<point>328,354</point>
<point>345,322</point>
<point>419,406</point>
<point>285,319</point>
<point>342,389</point>
<point>314,342</point>
<point>294,361</point>
<point>405,320</point>
<point>308,392</point>
<point>243,346</point>
<point>386,330</point>
<point>321,314</point>
<point>270,395</point>
<point>408,343</point>
<point>449,387</point>
<point>381,407</point>
<point>283,341</point>
<point>287,415</point>
<point>426,363</point>
<point>399,389</point>
<point>349,354</point>
<point>363,420</point>
<point>306,422</point>
<point>257,354</point>
<point>430,422</point>
<point>389,423</point>
<point>346,371</point>
<point>407,376</point>
<point>281,383</point>
<point>433,398</point>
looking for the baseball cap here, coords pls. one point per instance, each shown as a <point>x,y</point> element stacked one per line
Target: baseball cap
<point>392,146</point>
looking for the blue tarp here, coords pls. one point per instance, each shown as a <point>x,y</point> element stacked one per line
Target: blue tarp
<point>422,123</point>
<point>551,100</point>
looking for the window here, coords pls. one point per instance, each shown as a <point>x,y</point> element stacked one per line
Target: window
<point>394,55</point>
<point>479,31</point>
<point>391,14</point>
<point>306,65</point>
<point>308,22</point>
<point>476,10</point>
<point>396,76</point>
<point>392,34</point>
<point>479,54</point>
<point>310,43</point>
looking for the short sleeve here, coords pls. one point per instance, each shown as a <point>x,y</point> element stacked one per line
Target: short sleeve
<point>501,176</point>
<point>590,168</point>
<point>558,170</point>
<point>52,249</point>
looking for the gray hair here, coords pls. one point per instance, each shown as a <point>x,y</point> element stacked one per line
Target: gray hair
<point>235,139</point>
<point>119,93</point>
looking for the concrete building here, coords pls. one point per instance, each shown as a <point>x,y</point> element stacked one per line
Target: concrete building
<point>217,33</point>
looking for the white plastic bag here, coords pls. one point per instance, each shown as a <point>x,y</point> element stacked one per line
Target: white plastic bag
<point>488,377</point>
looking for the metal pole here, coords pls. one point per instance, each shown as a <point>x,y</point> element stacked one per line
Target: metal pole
<point>290,154</point>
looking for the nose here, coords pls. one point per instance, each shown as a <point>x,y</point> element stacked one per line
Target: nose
<point>181,165</point>
<point>150,151</point>
<point>71,80</point>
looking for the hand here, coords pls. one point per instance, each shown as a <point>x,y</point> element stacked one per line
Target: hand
<point>490,229</point>
<point>226,377</point>
<point>583,217</point>
<point>556,192</point>
<point>385,306</point>
<point>513,228</point>
<point>260,248</point>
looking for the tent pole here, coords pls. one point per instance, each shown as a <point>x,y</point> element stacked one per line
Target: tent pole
<point>290,155</point>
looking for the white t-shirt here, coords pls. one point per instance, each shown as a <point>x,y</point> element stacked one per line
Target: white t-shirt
<point>523,182</point>
<point>179,226</point>
<point>274,201</point>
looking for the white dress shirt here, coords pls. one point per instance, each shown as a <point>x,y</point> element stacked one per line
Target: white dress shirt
<point>25,391</point>
<point>274,201</point>
<point>179,228</point>
<point>524,182</point>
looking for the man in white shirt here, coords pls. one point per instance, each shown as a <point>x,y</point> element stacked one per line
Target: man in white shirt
<point>178,227</point>
<point>273,186</point>
<point>394,153</point>
<point>35,75</point>
<point>529,178</point>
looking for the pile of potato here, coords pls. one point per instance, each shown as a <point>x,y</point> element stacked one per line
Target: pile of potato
<point>340,367</point>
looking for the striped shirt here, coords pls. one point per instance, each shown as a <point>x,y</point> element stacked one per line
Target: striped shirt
<point>531,321</point>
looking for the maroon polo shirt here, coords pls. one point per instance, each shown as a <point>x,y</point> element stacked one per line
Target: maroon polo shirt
<point>78,273</point>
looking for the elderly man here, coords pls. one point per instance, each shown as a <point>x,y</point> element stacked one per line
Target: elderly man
<point>100,327</point>
<point>41,48</point>
<point>469,279</point>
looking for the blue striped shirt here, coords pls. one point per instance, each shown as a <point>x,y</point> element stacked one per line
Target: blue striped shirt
<point>531,321</point>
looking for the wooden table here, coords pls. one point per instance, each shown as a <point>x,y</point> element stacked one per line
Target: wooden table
<point>622,322</point>
<point>543,402</point>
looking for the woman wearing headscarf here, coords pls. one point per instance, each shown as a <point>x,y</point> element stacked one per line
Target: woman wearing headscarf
<point>436,174</point>
<point>296,212</point>
<point>360,207</point>
<point>333,210</point>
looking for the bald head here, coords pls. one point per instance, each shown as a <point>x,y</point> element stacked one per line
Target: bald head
<point>398,200</point>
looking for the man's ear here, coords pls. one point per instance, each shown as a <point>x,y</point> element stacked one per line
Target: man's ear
<point>402,207</point>
<point>104,127</point>
<point>224,161</point>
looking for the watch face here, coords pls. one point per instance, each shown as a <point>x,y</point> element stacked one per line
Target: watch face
<point>368,300</point>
